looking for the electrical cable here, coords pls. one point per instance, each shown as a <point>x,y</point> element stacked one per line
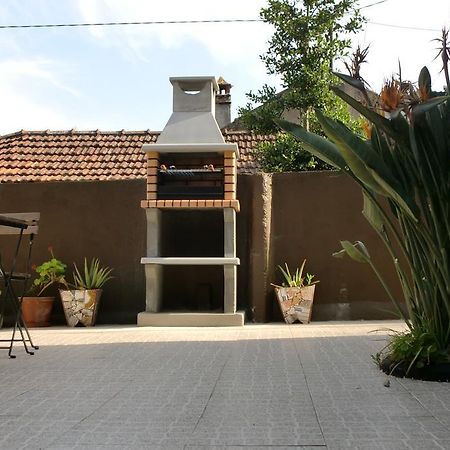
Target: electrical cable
<point>405,27</point>
<point>373,4</point>
<point>108,24</point>
<point>175,22</point>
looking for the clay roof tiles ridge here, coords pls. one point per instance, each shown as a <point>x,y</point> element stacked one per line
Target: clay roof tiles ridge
<point>38,156</point>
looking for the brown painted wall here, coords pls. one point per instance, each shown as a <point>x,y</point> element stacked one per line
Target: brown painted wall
<point>101,219</point>
<point>311,213</point>
<point>284,217</point>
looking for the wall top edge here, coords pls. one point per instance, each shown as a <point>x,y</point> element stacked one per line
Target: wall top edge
<point>191,261</point>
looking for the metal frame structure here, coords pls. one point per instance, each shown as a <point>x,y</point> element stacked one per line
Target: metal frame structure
<point>19,225</point>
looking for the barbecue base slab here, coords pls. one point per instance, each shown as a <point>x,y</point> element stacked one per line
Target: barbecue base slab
<point>149,319</point>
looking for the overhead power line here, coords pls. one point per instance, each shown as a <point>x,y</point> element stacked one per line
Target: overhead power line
<point>405,27</point>
<point>372,4</point>
<point>111,24</point>
<point>181,22</point>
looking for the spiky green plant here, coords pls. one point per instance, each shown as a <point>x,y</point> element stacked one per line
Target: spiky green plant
<point>93,277</point>
<point>296,279</point>
<point>404,164</point>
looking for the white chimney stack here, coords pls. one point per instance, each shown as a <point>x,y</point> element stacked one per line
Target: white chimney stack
<point>193,117</point>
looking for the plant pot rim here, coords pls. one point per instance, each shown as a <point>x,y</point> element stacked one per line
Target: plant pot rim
<point>293,287</point>
<point>73,290</point>
<point>40,298</point>
<point>432,372</point>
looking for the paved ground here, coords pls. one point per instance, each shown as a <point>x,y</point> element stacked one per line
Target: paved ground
<point>268,387</point>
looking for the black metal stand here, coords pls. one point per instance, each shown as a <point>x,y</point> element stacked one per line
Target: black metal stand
<point>10,278</point>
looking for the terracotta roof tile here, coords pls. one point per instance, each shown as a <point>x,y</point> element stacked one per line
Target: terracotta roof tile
<point>34,156</point>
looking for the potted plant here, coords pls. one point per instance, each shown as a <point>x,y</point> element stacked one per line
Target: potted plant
<point>37,309</point>
<point>296,294</point>
<point>81,304</point>
<point>402,167</point>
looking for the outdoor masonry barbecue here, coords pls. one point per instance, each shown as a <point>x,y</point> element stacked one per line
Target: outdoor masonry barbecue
<point>191,180</point>
<point>190,168</point>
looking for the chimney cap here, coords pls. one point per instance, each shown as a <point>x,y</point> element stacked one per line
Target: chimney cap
<point>196,82</point>
<point>221,82</point>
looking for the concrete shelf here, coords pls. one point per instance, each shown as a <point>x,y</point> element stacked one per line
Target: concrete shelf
<point>197,205</point>
<point>193,319</point>
<point>192,148</point>
<point>191,261</point>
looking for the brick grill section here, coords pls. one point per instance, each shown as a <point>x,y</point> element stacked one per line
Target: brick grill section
<point>41,156</point>
<point>226,162</point>
<point>217,204</point>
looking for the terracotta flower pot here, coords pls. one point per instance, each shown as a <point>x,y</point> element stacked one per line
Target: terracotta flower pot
<point>80,305</point>
<point>36,311</point>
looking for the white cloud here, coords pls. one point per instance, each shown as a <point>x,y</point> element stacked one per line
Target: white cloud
<point>24,113</point>
<point>20,80</point>
<point>17,71</point>
<point>227,43</point>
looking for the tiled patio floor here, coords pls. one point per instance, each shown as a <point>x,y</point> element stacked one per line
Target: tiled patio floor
<point>258,387</point>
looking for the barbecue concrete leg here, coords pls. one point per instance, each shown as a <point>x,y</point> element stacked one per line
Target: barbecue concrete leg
<point>153,282</point>
<point>153,231</point>
<point>153,273</point>
<point>229,272</point>
<point>229,224</point>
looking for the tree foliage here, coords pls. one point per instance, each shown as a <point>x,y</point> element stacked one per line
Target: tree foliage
<point>308,37</point>
<point>286,154</point>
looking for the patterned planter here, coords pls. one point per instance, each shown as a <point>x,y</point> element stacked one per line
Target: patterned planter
<point>296,303</point>
<point>36,311</point>
<point>80,306</point>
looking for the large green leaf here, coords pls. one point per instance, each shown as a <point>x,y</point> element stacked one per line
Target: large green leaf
<point>356,251</point>
<point>404,201</point>
<point>372,116</point>
<point>425,81</point>
<point>436,123</point>
<point>357,84</point>
<point>372,213</point>
<point>380,144</point>
<point>357,166</point>
<point>317,145</point>
<point>424,107</point>
<point>367,164</point>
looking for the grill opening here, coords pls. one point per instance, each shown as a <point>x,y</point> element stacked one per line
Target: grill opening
<point>188,289</point>
<point>191,233</point>
<point>197,176</point>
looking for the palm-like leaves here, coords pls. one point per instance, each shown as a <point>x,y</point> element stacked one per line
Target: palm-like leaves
<point>93,277</point>
<point>406,161</point>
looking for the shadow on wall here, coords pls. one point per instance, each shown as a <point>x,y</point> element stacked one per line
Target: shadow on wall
<point>311,213</point>
<point>303,216</point>
<point>101,219</point>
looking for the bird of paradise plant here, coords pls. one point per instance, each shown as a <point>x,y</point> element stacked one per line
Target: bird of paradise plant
<point>403,169</point>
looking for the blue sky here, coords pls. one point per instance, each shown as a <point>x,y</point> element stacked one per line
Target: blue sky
<point>117,77</point>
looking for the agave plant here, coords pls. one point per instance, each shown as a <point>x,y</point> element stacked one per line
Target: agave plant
<point>93,277</point>
<point>296,279</point>
<point>403,165</point>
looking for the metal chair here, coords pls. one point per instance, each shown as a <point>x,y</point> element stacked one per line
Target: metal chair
<point>15,283</point>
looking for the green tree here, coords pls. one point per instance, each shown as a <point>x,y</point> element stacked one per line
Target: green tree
<point>309,36</point>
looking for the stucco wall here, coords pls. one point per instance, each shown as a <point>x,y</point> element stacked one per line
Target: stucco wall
<point>311,213</point>
<point>284,218</point>
<point>101,219</point>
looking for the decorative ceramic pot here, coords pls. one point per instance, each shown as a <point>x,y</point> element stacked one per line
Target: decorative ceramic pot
<point>80,306</point>
<point>36,311</point>
<point>296,303</point>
